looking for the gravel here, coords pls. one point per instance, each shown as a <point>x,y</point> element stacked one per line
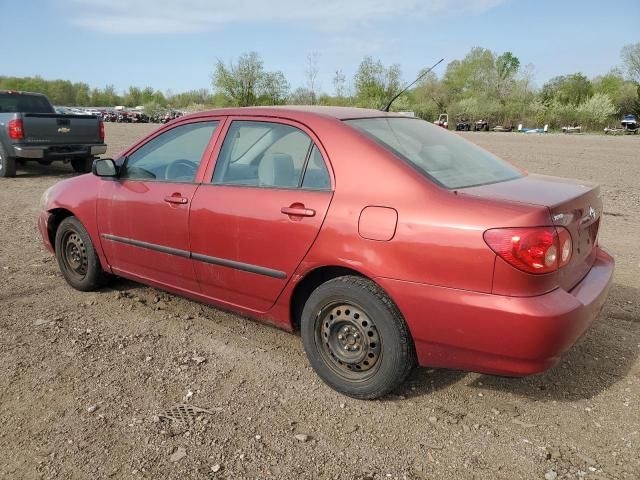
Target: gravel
<point>115,349</point>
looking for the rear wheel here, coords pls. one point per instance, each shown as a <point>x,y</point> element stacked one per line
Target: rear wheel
<point>77,258</point>
<point>7,165</point>
<point>356,339</point>
<point>82,165</point>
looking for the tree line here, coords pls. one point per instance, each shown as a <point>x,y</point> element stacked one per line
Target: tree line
<point>482,85</point>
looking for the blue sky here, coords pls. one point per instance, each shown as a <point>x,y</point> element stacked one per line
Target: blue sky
<point>173,45</point>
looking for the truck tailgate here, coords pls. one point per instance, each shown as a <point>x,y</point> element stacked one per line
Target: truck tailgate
<point>51,128</point>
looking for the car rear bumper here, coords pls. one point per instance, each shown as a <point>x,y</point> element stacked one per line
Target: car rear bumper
<point>498,334</point>
<point>58,152</point>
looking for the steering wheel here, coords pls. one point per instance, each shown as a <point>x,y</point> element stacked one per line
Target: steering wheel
<point>181,169</point>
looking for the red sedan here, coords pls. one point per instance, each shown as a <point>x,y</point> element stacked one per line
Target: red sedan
<point>385,240</point>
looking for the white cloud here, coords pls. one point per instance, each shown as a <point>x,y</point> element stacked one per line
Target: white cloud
<point>166,16</point>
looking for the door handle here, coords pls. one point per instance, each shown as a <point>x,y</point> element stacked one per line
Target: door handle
<point>298,210</point>
<point>176,199</point>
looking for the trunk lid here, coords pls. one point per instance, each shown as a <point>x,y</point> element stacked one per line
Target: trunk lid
<point>52,129</point>
<point>573,204</point>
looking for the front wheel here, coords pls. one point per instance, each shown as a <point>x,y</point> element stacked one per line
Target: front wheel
<point>77,257</point>
<point>82,165</point>
<point>356,339</point>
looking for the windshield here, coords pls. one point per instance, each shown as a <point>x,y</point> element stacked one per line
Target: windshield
<point>446,159</point>
<point>19,102</point>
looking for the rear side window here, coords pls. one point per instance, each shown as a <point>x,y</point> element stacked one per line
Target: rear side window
<point>267,154</point>
<point>173,156</point>
<point>445,158</point>
<point>316,176</point>
<point>16,102</point>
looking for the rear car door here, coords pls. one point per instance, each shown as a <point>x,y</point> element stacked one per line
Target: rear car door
<point>252,225</point>
<point>143,216</point>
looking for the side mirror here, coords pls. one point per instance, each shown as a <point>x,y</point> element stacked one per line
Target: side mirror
<point>104,167</point>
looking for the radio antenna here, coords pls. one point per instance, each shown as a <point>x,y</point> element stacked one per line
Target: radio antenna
<point>386,108</point>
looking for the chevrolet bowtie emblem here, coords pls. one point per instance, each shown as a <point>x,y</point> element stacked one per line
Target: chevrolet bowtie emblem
<point>64,130</point>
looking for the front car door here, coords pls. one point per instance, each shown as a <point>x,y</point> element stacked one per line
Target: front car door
<point>252,225</point>
<point>143,215</point>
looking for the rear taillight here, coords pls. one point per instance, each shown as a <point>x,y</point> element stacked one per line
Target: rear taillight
<point>16,132</point>
<point>532,250</point>
<point>101,130</point>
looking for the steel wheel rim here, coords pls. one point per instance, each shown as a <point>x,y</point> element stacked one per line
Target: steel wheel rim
<point>348,341</point>
<point>74,255</point>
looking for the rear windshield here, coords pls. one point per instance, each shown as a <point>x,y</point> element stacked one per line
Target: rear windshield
<point>445,158</point>
<point>17,102</point>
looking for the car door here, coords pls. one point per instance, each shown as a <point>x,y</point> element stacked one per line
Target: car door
<point>252,225</point>
<point>143,215</point>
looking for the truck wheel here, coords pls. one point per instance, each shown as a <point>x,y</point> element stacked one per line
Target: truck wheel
<point>356,339</point>
<point>7,165</point>
<point>82,165</point>
<point>77,258</point>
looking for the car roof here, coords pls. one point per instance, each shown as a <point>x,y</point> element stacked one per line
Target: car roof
<point>300,111</point>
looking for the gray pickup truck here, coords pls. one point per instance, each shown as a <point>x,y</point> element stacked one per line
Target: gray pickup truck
<point>30,129</point>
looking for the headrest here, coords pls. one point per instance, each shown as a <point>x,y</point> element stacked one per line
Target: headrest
<point>276,169</point>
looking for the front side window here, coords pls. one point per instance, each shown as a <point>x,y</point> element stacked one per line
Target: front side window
<point>445,158</point>
<point>173,156</point>
<point>262,154</point>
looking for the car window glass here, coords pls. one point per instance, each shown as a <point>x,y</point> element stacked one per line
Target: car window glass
<point>172,156</point>
<point>262,154</point>
<point>316,176</point>
<point>445,158</point>
<point>14,102</point>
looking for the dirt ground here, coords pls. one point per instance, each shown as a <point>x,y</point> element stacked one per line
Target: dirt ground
<point>85,377</point>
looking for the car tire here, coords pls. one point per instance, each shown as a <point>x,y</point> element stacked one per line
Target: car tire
<point>7,165</point>
<point>77,257</point>
<point>356,338</point>
<point>82,165</point>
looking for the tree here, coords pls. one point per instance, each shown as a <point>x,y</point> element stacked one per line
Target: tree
<point>431,90</point>
<point>82,94</point>
<point>273,88</point>
<point>507,66</point>
<point>623,93</point>
<point>311,74</point>
<point>567,89</point>
<point>595,111</point>
<point>474,75</point>
<point>301,96</point>
<point>375,84</point>
<point>240,82</point>
<point>631,59</point>
<point>247,83</point>
<point>133,97</point>
<point>339,84</point>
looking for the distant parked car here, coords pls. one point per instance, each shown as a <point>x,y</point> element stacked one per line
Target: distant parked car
<point>481,125</point>
<point>630,123</point>
<point>463,125</point>
<point>442,121</point>
<point>385,240</point>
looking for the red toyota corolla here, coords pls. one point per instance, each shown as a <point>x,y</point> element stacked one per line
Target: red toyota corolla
<point>386,240</point>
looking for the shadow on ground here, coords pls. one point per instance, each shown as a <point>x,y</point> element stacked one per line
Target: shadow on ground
<point>34,170</point>
<point>601,358</point>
